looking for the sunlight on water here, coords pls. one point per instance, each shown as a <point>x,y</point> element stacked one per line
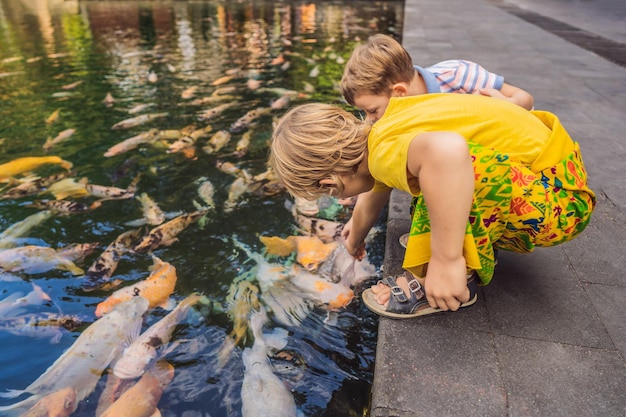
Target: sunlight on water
<point>77,81</point>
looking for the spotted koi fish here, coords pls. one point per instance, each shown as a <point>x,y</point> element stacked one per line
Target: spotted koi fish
<point>35,185</point>
<point>157,288</point>
<point>65,206</point>
<point>166,233</point>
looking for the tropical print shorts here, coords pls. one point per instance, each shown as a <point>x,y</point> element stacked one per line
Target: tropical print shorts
<point>514,209</point>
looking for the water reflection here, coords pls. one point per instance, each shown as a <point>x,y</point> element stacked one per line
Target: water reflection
<point>96,64</point>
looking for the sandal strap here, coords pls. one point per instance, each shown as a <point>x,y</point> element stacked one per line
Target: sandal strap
<point>399,302</point>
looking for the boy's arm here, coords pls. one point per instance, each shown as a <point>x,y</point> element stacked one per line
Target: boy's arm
<point>510,93</point>
<point>442,164</point>
<point>366,211</point>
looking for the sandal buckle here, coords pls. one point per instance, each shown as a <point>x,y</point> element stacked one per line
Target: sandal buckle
<point>416,288</point>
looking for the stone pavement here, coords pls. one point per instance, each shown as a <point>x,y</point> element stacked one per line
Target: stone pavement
<point>548,336</point>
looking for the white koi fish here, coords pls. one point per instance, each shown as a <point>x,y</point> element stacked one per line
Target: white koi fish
<point>235,191</point>
<point>150,136</point>
<point>138,120</point>
<point>137,357</point>
<point>217,142</point>
<point>8,238</point>
<point>215,111</point>
<point>61,137</point>
<point>43,325</point>
<point>151,210</point>
<point>247,119</point>
<point>33,259</point>
<point>82,364</point>
<point>14,303</point>
<point>262,391</point>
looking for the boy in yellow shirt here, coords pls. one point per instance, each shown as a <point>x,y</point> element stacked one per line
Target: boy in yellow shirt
<point>486,173</point>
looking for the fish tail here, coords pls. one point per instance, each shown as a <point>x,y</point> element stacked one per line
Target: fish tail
<point>18,408</point>
<point>11,393</point>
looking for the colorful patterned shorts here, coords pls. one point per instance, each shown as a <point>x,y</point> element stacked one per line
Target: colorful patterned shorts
<point>514,209</point>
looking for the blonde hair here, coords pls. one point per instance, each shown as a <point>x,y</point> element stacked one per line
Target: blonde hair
<point>374,67</point>
<point>314,142</point>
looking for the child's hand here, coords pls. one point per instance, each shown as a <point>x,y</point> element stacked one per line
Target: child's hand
<point>492,92</point>
<point>446,284</point>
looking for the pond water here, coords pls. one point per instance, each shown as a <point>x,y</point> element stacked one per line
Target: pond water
<point>70,71</point>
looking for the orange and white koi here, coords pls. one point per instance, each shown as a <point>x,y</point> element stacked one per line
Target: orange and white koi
<point>138,120</point>
<point>157,288</point>
<point>311,251</point>
<point>165,234</point>
<point>33,259</point>
<point>82,364</point>
<point>18,166</point>
<point>141,399</point>
<point>137,357</point>
<point>217,142</point>
<point>327,230</point>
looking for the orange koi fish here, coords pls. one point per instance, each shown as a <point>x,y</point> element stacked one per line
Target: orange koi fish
<point>28,163</point>
<point>166,233</point>
<point>311,250</point>
<point>61,403</point>
<point>53,117</point>
<point>142,398</point>
<point>157,288</point>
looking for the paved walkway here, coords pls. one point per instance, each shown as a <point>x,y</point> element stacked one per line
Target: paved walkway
<point>548,335</point>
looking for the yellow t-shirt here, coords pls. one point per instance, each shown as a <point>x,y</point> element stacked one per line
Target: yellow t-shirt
<point>533,138</point>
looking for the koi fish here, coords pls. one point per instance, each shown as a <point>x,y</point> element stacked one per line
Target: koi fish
<point>223,80</point>
<point>208,100</point>
<point>53,117</point>
<point>137,357</point>
<point>35,185</point>
<point>241,148</point>
<point>188,141</point>
<point>33,259</point>
<point>8,238</point>
<point>157,289</point>
<point>206,191</point>
<point>47,325</point>
<point>282,102</point>
<point>235,191</point>
<point>327,230</point>
<point>306,207</point>
<point>61,137</point>
<point>61,403</point>
<point>138,120</point>
<point>82,364</point>
<point>142,398</point>
<point>165,234</point>
<point>109,100</point>
<point>106,264</point>
<point>215,111</point>
<point>151,211</point>
<point>68,187</point>
<point>140,107</point>
<point>189,92</point>
<point>18,166</point>
<point>72,85</point>
<point>321,291</point>
<point>311,251</point>
<point>104,192</point>
<point>242,299</point>
<point>247,119</point>
<point>262,392</point>
<point>13,303</point>
<point>65,206</point>
<point>113,389</point>
<point>150,136</point>
<point>230,168</point>
<point>217,142</point>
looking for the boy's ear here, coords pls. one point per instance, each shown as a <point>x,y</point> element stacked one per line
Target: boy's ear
<point>399,90</point>
<point>328,181</point>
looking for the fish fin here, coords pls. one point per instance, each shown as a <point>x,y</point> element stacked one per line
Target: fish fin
<point>12,393</point>
<point>278,246</point>
<point>168,304</point>
<point>18,408</point>
<point>133,334</point>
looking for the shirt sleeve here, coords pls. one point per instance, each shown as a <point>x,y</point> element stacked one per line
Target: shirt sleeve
<point>462,76</point>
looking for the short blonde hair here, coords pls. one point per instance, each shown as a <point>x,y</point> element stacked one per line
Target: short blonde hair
<point>314,142</point>
<point>374,67</point>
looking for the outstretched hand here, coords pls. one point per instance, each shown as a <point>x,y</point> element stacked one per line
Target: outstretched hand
<point>357,250</point>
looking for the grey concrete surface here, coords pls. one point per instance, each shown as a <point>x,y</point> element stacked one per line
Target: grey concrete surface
<point>548,336</point>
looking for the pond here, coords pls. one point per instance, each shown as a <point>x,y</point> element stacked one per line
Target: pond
<point>172,104</point>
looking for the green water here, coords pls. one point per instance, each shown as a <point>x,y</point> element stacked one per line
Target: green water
<point>113,48</point>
